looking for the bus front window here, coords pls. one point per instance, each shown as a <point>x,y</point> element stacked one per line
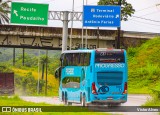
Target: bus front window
<point>109,57</point>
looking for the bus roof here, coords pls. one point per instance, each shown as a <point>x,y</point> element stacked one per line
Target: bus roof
<point>78,51</point>
<point>109,49</point>
<point>91,50</point>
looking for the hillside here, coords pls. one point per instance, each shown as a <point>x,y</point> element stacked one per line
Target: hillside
<point>144,67</point>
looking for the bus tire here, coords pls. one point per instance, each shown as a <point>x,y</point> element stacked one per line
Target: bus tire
<point>65,99</point>
<point>117,104</point>
<point>114,104</point>
<point>69,103</point>
<point>83,100</point>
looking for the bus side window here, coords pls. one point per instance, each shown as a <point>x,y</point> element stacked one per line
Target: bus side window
<point>86,59</point>
<point>76,59</point>
<point>65,63</point>
<point>81,59</point>
<point>68,59</point>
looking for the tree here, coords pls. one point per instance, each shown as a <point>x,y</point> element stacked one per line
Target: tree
<point>126,8</point>
<point>44,60</point>
<point>4,10</point>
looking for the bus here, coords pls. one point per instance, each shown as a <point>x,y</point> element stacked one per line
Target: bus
<point>93,76</point>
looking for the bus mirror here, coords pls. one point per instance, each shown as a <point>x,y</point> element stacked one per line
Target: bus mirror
<point>57,72</point>
<point>62,56</point>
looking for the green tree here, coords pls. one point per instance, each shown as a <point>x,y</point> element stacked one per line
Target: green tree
<point>4,10</point>
<point>43,60</point>
<point>126,8</point>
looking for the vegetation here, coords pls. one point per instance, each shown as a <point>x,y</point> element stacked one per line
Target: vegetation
<point>144,67</point>
<point>16,101</point>
<point>27,85</point>
<point>155,101</point>
<point>26,77</point>
<point>144,70</point>
<point>126,8</point>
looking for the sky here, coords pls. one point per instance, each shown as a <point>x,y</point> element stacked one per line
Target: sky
<point>145,19</point>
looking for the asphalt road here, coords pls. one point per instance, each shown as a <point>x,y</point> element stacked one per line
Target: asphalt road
<point>133,100</point>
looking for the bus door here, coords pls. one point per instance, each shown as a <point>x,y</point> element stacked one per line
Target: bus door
<point>71,76</point>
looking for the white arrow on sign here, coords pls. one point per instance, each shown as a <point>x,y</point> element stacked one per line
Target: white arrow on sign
<point>117,16</point>
<point>15,12</point>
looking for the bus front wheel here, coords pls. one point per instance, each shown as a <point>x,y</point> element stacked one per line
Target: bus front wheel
<point>83,100</point>
<point>65,99</point>
<point>62,97</point>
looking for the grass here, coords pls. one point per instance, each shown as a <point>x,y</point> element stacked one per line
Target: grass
<point>16,101</point>
<point>144,70</point>
<point>153,102</point>
<point>144,67</point>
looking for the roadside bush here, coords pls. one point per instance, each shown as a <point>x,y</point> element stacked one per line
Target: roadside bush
<point>27,85</point>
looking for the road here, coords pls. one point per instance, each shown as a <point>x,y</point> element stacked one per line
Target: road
<point>133,100</point>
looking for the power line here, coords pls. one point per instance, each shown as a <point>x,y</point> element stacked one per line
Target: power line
<point>135,23</point>
<point>151,13</point>
<point>146,8</point>
<point>144,22</point>
<point>146,19</point>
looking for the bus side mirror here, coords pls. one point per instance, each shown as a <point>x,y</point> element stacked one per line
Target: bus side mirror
<point>58,72</point>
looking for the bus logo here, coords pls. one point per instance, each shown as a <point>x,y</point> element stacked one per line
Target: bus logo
<point>70,71</point>
<point>103,65</point>
<point>103,89</point>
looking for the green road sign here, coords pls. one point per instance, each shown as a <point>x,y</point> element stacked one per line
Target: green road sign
<point>29,13</point>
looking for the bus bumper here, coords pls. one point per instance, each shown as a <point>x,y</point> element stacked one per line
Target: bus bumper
<point>109,101</point>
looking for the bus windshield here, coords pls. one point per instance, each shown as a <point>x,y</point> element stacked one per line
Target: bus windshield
<point>109,57</point>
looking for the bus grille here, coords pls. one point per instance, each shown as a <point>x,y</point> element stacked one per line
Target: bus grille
<point>109,78</point>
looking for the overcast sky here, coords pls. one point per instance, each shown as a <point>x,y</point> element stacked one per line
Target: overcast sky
<point>147,14</point>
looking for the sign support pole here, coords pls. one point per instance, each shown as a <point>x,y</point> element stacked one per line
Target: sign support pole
<point>118,44</point>
<point>14,59</point>
<point>65,30</point>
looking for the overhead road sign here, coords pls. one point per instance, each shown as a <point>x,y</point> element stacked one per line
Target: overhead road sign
<point>101,16</point>
<point>29,13</point>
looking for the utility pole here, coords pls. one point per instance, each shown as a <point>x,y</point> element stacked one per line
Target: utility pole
<point>14,59</point>
<point>38,71</point>
<point>82,28</point>
<point>46,71</point>
<point>118,41</point>
<point>70,46</point>
<point>65,30</point>
<point>23,56</point>
<point>98,37</point>
<point>65,16</point>
<point>86,31</point>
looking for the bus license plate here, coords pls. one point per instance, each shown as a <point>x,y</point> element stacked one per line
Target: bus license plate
<point>110,98</point>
